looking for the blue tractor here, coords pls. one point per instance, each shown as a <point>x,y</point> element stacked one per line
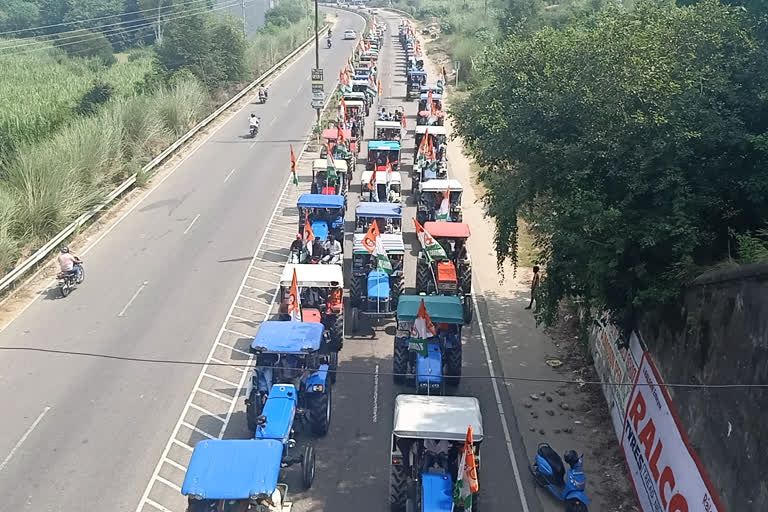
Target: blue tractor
<point>240,474</point>
<point>295,353</point>
<point>427,437</point>
<point>443,359</point>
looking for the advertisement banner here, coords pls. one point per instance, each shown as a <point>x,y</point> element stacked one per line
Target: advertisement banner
<point>666,474</point>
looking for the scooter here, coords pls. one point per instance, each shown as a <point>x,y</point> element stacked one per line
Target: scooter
<point>548,472</point>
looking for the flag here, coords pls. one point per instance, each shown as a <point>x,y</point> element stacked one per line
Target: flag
<point>402,120</point>
<point>381,90</point>
<point>340,135</point>
<point>293,167</point>
<point>466,476</point>
<point>422,330</point>
<point>294,300</point>
<point>373,243</point>
<point>444,213</point>
<point>372,185</point>
<point>309,235</point>
<point>343,106</point>
<point>330,164</point>
<point>432,250</point>
<point>423,146</point>
<point>431,150</point>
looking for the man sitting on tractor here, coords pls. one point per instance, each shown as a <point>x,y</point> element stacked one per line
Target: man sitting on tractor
<point>333,250</point>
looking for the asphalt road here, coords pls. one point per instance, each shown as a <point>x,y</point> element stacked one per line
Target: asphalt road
<point>85,433</point>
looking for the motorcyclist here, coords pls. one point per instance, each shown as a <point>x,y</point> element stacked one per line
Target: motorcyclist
<point>69,262</point>
<point>253,122</point>
<point>262,93</point>
<point>332,248</point>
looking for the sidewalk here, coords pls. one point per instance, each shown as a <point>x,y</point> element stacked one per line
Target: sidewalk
<point>567,416</point>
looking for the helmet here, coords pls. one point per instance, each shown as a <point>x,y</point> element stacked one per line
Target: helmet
<point>253,114</point>
<point>571,457</point>
<point>64,249</point>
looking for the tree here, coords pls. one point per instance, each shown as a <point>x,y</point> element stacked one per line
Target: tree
<point>634,143</point>
<point>228,47</point>
<point>160,12</point>
<point>285,13</point>
<point>84,43</point>
<point>18,15</point>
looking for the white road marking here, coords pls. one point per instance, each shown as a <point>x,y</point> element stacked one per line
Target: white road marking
<point>223,381</point>
<point>23,438</point>
<point>221,397</point>
<point>169,483</point>
<point>143,285</point>
<point>195,429</point>
<point>175,464</point>
<point>206,411</point>
<point>257,289</point>
<point>157,505</point>
<point>230,174</point>
<point>234,349</point>
<point>376,394</point>
<point>500,407</point>
<point>183,445</point>
<point>242,335</point>
<point>191,223</point>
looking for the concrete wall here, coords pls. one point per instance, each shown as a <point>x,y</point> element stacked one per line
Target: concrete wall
<point>720,335</point>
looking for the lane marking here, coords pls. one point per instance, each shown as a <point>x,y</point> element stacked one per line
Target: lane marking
<point>234,349</point>
<point>175,464</point>
<point>242,335</point>
<point>24,437</point>
<point>221,397</point>
<point>229,175</point>
<point>376,394</point>
<point>169,483</point>
<point>191,223</point>
<point>500,406</point>
<point>183,445</point>
<point>206,411</point>
<point>194,429</point>
<point>223,381</point>
<point>157,506</point>
<point>143,285</point>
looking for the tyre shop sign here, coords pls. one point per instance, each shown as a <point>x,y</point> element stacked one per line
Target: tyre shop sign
<point>666,473</point>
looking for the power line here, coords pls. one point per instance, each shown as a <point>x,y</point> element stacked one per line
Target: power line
<point>182,362</point>
<point>77,39</point>
<point>68,23</point>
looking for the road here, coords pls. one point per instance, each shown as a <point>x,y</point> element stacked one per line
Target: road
<point>85,433</point>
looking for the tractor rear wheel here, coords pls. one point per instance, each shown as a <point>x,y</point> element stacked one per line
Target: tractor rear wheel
<point>355,290</point>
<point>400,361</point>
<point>308,466</point>
<point>398,488</point>
<point>465,279</point>
<point>423,276</point>
<point>320,411</point>
<point>466,306</point>
<point>253,410</point>
<point>337,333</point>
<point>333,365</point>
<point>453,364</point>
<point>421,217</point>
<point>398,288</point>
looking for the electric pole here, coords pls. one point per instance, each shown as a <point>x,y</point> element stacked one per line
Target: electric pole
<point>245,28</point>
<point>317,53</point>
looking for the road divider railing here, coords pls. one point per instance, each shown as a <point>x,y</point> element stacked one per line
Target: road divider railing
<point>41,255</point>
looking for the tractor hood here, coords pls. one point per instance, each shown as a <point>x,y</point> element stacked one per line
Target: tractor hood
<point>436,493</point>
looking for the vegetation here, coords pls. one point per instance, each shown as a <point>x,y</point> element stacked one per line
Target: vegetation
<point>632,142</point>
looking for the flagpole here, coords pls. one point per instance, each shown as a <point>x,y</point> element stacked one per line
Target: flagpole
<point>317,55</point>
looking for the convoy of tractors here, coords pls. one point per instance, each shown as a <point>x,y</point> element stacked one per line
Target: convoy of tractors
<point>296,357</point>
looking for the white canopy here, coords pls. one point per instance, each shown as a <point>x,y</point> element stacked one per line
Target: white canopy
<point>381,178</point>
<point>433,130</point>
<point>440,185</point>
<point>437,417</point>
<point>393,243</point>
<point>322,164</point>
<point>321,276</point>
<point>392,125</point>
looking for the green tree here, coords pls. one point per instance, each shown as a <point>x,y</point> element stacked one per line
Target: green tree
<point>285,13</point>
<point>84,43</point>
<point>634,144</point>
<point>18,15</point>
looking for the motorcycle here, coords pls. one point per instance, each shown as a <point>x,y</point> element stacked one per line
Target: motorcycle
<point>69,280</point>
<point>254,130</point>
<point>548,472</point>
<point>328,42</point>
<point>263,96</point>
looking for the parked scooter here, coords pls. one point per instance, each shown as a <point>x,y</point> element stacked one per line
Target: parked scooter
<point>548,472</point>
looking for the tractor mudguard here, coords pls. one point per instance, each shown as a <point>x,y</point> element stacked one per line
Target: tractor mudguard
<point>318,378</point>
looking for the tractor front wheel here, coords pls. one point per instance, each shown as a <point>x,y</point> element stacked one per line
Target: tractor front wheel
<point>308,466</point>
<point>465,279</point>
<point>398,488</point>
<point>398,288</point>
<point>423,276</point>
<point>355,290</point>
<point>400,361</point>
<point>333,365</point>
<point>337,333</point>
<point>320,411</point>
<point>355,320</point>
<point>253,410</point>
<point>466,307</point>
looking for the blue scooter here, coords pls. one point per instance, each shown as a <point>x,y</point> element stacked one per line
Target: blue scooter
<point>548,472</point>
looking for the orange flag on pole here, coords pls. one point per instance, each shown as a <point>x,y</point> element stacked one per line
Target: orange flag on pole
<point>293,167</point>
<point>294,300</point>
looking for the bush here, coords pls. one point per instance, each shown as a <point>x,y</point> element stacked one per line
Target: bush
<point>84,43</point>
<point>99,94</point>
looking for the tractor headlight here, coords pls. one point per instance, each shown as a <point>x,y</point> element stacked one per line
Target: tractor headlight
<point>195,497</point>
<point>317,387</point>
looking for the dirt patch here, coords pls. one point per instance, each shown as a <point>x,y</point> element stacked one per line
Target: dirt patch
<point>607,474</point>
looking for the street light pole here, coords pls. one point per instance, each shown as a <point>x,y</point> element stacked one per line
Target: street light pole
<point>317,54</point>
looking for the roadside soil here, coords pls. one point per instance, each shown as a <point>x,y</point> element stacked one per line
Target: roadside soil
<point>545,370</point>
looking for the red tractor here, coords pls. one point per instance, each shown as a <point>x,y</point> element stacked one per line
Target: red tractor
<point>451,275</point>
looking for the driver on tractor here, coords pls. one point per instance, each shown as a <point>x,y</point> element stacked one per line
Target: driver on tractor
<point>332,249</point>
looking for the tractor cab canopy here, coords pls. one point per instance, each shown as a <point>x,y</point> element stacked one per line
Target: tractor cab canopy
<point>288,337</point>
<point>435,96</point>
<point>395,179</point>
<point>362,71</point>
<point>435,131</point>
<point>324,212</point>
<point>393,244</point>
<point>432,186</point>
<point>436,90</point>
<point>332,134</point>
<point>437,417</point>
<point>388,216</point>
<point>379,151</point>
<point>454,230</point>
<point>315,276</point>
<point>320,201</point>
<point>388,130</point>
<point>354,106</point>
<point>233,469</point>
<point>442,309</point>
<point>354,96</point>
<point>360,85</point>
<point>320,167</point>
<point>393,195</point>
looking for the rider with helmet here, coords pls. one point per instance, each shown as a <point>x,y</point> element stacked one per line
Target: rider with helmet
<point>253,122</point>
<point>262,93</point>
<point>69,262</point>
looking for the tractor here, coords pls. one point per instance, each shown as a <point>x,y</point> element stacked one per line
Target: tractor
<point>452,275</point>
<point>415,78</point>
<point>386,192</point>
<point>295,353</point>
<point>430,199</point>
<point>325,214</point>
<point>373,293</point>
<point>441,364</point>
<point>341,151</point>
<point>419,479</point>
<point>242,474</point>
<point>388,130</point>
<point>388,216</point>
<point>378,153</point>
<point>325,183</point>
<point>322,298</point>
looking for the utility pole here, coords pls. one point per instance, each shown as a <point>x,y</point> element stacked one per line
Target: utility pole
<point>317,53</point>
<point>245,27</point>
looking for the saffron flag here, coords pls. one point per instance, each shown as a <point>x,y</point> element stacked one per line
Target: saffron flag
<point>293,167</point>
<point>466,476</point>
<point>432,250</point>
<point>374,245</point>
<point>309,235</point>
<point>422,330</point>
<point>294,300</point>
<point>381,90</point>
<point>340,135</point>
<point>372,185</point>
